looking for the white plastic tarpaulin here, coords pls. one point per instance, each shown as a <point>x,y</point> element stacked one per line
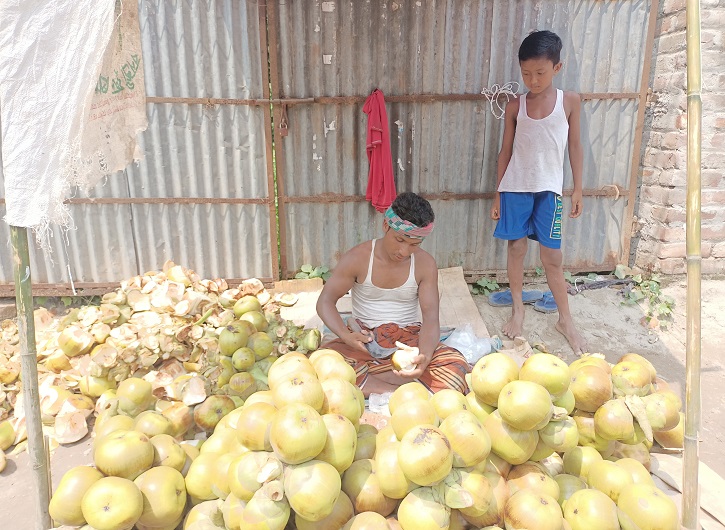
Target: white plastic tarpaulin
<point>72,100</point>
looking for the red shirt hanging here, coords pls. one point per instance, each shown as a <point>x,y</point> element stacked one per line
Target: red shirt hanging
<point>381,185</point>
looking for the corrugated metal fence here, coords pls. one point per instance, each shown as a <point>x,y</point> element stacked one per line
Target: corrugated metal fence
<point>432,60</point>
<point>205,194</point>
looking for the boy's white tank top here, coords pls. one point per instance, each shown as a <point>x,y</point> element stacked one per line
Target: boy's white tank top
<point>376,305</point>
<point>537,161</point>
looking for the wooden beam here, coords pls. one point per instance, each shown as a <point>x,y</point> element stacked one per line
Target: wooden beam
<point>609,191</point>
<point>627,228</point>
<point>353,100</point>
<point>92,288</point>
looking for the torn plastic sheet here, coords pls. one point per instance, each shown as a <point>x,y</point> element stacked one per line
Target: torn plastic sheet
<point>68,98</point>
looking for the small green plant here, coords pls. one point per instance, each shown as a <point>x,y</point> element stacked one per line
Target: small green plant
<point>40,300</point>
<point>64,302</point>
<point>539,271</point>
<point>659,305</point>
<point>485,286</point>
<point>308,272</point>
<point>572,278</point>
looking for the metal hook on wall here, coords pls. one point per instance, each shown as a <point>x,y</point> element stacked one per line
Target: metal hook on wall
<point>283,127</point>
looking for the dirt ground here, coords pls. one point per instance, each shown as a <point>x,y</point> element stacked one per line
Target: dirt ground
<point>608,326</point>
<point>611,328</point>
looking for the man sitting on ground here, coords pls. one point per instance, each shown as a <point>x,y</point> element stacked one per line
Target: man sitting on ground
<point>394,289</point>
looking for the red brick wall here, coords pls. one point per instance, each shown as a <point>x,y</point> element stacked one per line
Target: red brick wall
<point>660,226</point>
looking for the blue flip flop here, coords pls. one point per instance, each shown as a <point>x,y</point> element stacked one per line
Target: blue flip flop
<point>546,304</point>
<point>504,299</point>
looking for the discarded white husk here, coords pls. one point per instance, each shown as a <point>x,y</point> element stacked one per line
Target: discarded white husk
<point>70,427</point>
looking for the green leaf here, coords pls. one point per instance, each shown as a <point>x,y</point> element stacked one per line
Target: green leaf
<point>301,276</point>
<point>634,295</point>
<point>485,285</point>
<point>621,271</point>
<point>568,277</point>
<point>317,273</point>
<point>637,278</point>
<point>67,300</point>
<point>326,276</point>
<point>323,269</point>
<point>592,275</point>
<point>539,271</point>
<point>306,268</point>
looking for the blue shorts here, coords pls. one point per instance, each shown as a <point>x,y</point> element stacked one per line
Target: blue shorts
<point>533,215</point>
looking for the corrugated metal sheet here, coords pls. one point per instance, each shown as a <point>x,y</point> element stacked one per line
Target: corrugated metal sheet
<point>203,152</point>
<point>447,47</point>
<point>208,49</point>
<point>103,230</point>
<point>211,49</point>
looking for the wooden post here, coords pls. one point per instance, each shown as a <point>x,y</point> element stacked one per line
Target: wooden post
<point>29,371</point>
<point>628,230</point>
<point>690,490</point>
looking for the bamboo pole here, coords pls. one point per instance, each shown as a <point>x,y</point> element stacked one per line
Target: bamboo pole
<point>691,491</point>
<point>29,368</point>
<point>49,475</point>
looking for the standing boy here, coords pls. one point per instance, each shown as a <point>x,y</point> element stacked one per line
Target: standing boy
<point>538,127</point>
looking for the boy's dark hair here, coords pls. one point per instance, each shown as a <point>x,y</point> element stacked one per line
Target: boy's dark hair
<point>541,45</point>
<point>413,208</point>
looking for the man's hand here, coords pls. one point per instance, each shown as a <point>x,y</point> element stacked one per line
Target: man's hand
<point>421,364</point>
<point>358,340</point>
<point>496,207</point>
<point>576,204</point>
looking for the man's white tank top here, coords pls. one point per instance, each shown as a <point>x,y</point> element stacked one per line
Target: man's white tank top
<point>537,161</point>
<point>375,305</point>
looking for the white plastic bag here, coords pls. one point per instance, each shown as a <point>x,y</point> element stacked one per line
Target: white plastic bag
<point>378,403</point>
<point>465,341</point>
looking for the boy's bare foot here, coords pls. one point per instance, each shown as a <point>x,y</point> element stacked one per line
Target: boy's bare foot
<point>515,325</point>
<point>577,343</point>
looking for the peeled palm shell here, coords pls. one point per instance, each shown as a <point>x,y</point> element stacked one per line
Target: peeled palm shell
<point>70,427</point>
